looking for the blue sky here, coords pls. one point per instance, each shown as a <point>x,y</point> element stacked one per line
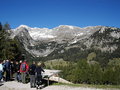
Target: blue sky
<point>52,13</point>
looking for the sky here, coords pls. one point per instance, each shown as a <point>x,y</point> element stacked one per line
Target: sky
<point>52,13</point>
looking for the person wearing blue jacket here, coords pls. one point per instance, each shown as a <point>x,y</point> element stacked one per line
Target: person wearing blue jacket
<point>32,69</point>
<point>7,69</point>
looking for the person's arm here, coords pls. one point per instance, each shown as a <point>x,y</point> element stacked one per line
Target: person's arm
<point>42,69</point>
<point>20,68</point>
<point>27,67</point>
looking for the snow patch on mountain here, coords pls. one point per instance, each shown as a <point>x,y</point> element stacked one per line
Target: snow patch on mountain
<point>23,26</point>
<point>66,26</point>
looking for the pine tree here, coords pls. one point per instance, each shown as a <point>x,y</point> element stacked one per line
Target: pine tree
<point>0,26</point>
<point>6,26</point>
<point>9,48</point>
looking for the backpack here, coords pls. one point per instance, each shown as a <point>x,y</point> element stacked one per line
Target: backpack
<point>7,65</point>
<point>23,67</point>
<point>32,69</point>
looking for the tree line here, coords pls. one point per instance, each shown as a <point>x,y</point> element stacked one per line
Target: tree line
<point>84,72</point>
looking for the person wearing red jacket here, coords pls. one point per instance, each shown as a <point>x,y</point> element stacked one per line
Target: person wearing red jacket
<point>24,67</point>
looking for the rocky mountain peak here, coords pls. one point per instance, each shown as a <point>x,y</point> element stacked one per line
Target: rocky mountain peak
<point>23,26</point>
<point>44,41</point>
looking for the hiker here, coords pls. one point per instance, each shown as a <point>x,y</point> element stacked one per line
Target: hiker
<point>19,75</point>
<point>32,69</point>
<point>38,75</point>
<point>24,70</point>
<point>7,70</point>
<point>1,70</point>
<point>4,73</point>
<point>12,69</point>
<point>17,71</point>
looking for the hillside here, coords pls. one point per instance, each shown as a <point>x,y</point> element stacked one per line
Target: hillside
<point>70,43</point>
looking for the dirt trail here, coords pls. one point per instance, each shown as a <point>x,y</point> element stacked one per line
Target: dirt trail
<point>13,85</point>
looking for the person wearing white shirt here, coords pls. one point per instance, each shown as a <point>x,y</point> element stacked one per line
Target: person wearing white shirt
<point>1,70</point>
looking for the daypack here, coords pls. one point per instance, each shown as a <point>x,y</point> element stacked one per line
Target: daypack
<point>23,67</point>
<point>32,69</point>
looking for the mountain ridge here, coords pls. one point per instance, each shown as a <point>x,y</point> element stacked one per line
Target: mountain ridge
<point>48,33</point>
<point>44,42</point>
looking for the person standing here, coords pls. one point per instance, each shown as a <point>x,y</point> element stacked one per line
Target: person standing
<point>38,76</point>
<point>17,67</point>
<point>1,70</point>
<point>19,75</point>
<point>24,70</point>
<point>7,69</point>
<point>32,69</point>
<point>12,69</point>
<point>4,72</point>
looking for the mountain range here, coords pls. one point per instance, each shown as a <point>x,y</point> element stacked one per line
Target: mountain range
<point>57,42</point>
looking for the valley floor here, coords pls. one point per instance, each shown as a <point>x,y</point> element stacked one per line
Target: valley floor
<point>13,85</point>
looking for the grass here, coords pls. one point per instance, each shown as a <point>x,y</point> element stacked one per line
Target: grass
<point>56,63</point>
<point>90,85</point>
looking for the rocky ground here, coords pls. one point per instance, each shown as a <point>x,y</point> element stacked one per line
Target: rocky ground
<point>13,85</point>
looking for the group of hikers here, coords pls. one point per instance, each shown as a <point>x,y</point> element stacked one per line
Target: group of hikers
<point>20,70</point>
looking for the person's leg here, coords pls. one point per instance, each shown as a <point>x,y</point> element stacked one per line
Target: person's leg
<point>7,75</point>
<point>31,81</point>
<point>16,76</point>
<point>22,77</point>
<point>34,80</point>
<point>0,75</point>
<point>10,74</point>
<point>39,79</point>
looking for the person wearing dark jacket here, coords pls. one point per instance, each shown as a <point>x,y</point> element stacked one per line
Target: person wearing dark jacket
<point>12,69</point>
<point>19,75</point>
<point>38,72</point>
<point>32,69</point>
<point>7,69</point>
<point>17,71</point>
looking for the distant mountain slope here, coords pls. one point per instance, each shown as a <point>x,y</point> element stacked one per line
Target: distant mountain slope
<point>70,41</point>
